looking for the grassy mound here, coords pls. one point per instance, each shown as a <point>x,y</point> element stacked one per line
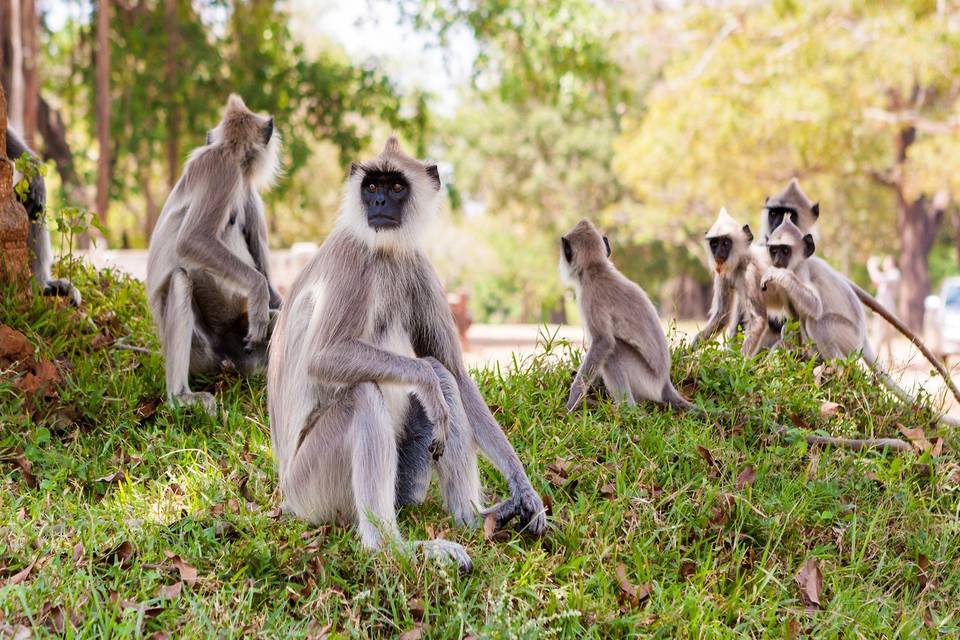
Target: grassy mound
<point>120,515</point>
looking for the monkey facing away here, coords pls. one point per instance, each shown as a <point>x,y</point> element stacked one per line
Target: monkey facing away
<point>830,314</point>
<point>627,346</point>
<point>738,266</point>
<point>38,238</point>
<point>366,379</point>
<point>208,279</point>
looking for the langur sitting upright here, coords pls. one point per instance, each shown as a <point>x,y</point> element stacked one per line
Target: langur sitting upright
<point>208,279</point>
<point>627,346</point>
<point>38,238</point>
<point>830,314</point>
<point>366,379</point>
<point>738,267</point>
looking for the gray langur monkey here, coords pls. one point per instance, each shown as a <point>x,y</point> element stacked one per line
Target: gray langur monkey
<point>367,387</point>
<point>793,204</point>
<point>627,347</point>
<point>208,280</point>
<point>38,237</point>
<point>830,314</point>
<point>738,266</point>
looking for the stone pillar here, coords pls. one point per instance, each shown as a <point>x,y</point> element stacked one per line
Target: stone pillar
<point>14,259</point>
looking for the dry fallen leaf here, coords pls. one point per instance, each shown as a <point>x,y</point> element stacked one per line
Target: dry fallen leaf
<point>316,631</point>
<point>26,468</point>
<point>937,448</point>
<point>170,591</point>
<point>417,609</point>
<point>188,574</point>
<point>113,478</point>
<point>609,491</point>
<point>916,438</point>
<point>810,580</point>
<point>687,569</point>
<point>490,532</point>
<point>78,553</point>
<point>412,634</point>
<point>14,347</point>
<point>629,593</point>
<point>21,576</point>
<point>119,554</point>
<point>706,455</point>
<point>926,581</point>
<point>746,477</point>
<point>829,409</point>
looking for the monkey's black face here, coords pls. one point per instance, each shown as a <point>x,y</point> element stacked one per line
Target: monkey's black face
<point>775,216</point>
<point>567,250</point>
<point>384,194</point>
<point>720,248</point>
<point>780,255</point>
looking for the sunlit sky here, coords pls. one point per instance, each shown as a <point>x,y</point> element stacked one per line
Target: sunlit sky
<point>366,30</point>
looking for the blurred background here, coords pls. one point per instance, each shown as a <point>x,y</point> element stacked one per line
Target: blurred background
<point>646,116</point>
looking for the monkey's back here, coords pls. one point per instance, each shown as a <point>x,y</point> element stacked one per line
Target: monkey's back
<point>632,316</point>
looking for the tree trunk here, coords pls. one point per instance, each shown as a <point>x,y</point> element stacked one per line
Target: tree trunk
<point>14,259</point>
<point>173,106</point>
<point>56,148</point>
<point>917,221</point>
<point>15,107</point>
<point>153,211</point>
<point>31,70</point>
<point>103,109</point>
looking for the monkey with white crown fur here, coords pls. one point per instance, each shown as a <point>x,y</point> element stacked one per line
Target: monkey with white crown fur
<point>367,387</point>
<point>830,314</point>
<point>738,266</point>
<point>627,347</point>
<point>793,205</point>
<point>208,278</point>
<point>38,237</point>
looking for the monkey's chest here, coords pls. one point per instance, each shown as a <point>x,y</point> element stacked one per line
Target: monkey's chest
<point>396,339</point>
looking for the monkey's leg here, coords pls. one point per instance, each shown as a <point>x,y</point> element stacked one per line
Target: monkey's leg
<point>374,461</point>
<point>413,472</point>
<point>597,355</point>
<point>724,299</point>
<point>178,336</point>
<point>457,467</point>
<point>617,381</point>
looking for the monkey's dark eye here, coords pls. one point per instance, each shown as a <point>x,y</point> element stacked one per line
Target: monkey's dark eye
<point>713,243</point>
<point>371,187</point>
<point>397,187</point>
<point>793,218</point>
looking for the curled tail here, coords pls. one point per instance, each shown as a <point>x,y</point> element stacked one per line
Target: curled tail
<point>879,309</point>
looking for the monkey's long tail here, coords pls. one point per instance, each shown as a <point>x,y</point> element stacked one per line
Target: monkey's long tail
<point>878,308</point>
<point>854,444</point>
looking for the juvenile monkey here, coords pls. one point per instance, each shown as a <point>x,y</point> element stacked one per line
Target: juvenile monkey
<point>366,379</point>
<point>38,238</point>
<point>208,279</point>
<point>830,314</point>
<point>793,204</point>
<point>738,266</point>
<point>627,346</point>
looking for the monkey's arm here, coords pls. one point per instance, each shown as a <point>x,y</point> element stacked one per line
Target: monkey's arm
<point>719,311</point>
<point>758,325</point>
<point>198,243</point>
<point>255,233</point>
<point>601,348</point>
<point>803,296</point>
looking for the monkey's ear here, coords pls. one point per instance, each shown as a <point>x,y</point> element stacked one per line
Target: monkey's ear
<point>747,233</point>
<point>434,174</point>
<point>766,200</point>
<point>815,210</point>
<point>808,245</point>
<point>606,243</point>
<point>268,131</point>
<point>354,168</point>
<point>567,249</point>
<point>209,137</point>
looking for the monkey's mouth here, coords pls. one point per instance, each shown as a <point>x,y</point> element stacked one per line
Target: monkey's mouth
<point>721,264</point>
<point>379,222</point>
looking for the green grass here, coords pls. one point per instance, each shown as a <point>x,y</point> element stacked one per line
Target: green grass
<point>719,560</point>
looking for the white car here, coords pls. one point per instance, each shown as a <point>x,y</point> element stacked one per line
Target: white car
<point>942,319</point>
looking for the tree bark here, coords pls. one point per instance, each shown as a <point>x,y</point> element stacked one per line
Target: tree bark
<point>103,109</point>
<point>30,24</point>
<point>56,148</point>
<point>917,221</point>
<point>173,106</point>
<point>14,259</point>
<point>15,106</point>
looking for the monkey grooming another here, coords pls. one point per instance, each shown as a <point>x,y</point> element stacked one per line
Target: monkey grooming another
<point>366,379</point>
<point>793,204</point>
<point>738,266</point>
<point>38,237</point>
<point>830,314</point>
<point>208,280</point>
<point>627,346</point>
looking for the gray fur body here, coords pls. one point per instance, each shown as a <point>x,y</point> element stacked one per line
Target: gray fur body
<point>627,347</point>
<point>366,378</point>
<point>208,281</point>
<point>38,237</point>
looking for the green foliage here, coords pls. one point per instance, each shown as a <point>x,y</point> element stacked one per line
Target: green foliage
<point>115,464</point>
